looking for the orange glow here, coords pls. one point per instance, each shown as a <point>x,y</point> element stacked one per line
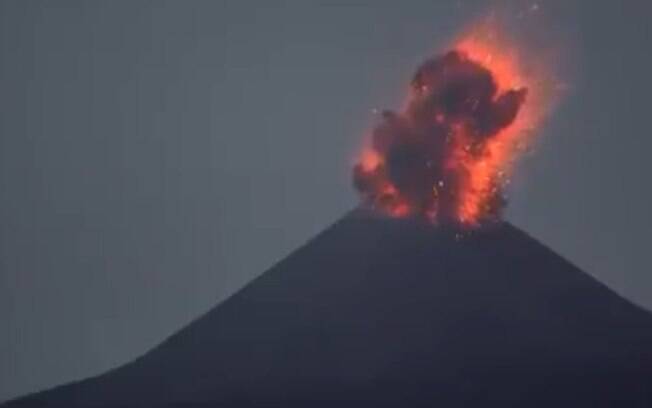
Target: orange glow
<point>370,160</point>
<point>486,45</point>
<point>461,160</point>
<point>401,210</point>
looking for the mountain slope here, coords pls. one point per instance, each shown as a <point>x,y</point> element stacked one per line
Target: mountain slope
<point>385,312</point>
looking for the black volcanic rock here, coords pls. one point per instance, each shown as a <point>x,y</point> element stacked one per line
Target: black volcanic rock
<point>384,312</point>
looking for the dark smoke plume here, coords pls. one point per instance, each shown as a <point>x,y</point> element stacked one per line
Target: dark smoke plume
<point>421,159</point>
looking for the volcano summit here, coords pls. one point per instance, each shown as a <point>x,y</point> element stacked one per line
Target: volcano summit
<point>379,311</point>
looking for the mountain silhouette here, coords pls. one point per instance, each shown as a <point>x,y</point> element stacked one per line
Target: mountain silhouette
<point>380,312</point>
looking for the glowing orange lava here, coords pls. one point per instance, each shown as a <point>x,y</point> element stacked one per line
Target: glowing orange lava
<point>447,154</point>
<point>486,46</point>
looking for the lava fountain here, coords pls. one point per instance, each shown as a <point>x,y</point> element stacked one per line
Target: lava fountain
<point>447,154</point>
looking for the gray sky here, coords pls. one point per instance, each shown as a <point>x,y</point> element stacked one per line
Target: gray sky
<point>157,155</point>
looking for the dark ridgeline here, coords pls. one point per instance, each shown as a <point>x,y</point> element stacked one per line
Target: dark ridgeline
<point>386,312</point>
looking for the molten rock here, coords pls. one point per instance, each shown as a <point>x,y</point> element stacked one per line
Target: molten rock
<point>436,158</point>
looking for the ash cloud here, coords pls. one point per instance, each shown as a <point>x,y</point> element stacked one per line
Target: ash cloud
<point>453,112</point>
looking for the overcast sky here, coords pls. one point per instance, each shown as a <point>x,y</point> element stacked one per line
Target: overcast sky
<point>157,155</point>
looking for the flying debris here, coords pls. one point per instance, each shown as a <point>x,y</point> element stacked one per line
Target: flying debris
<point>446,155</point>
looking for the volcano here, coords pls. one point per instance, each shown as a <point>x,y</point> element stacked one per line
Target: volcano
<point>377,311</point>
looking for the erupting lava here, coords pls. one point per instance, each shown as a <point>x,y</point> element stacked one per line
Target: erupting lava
<point>446,155</point>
